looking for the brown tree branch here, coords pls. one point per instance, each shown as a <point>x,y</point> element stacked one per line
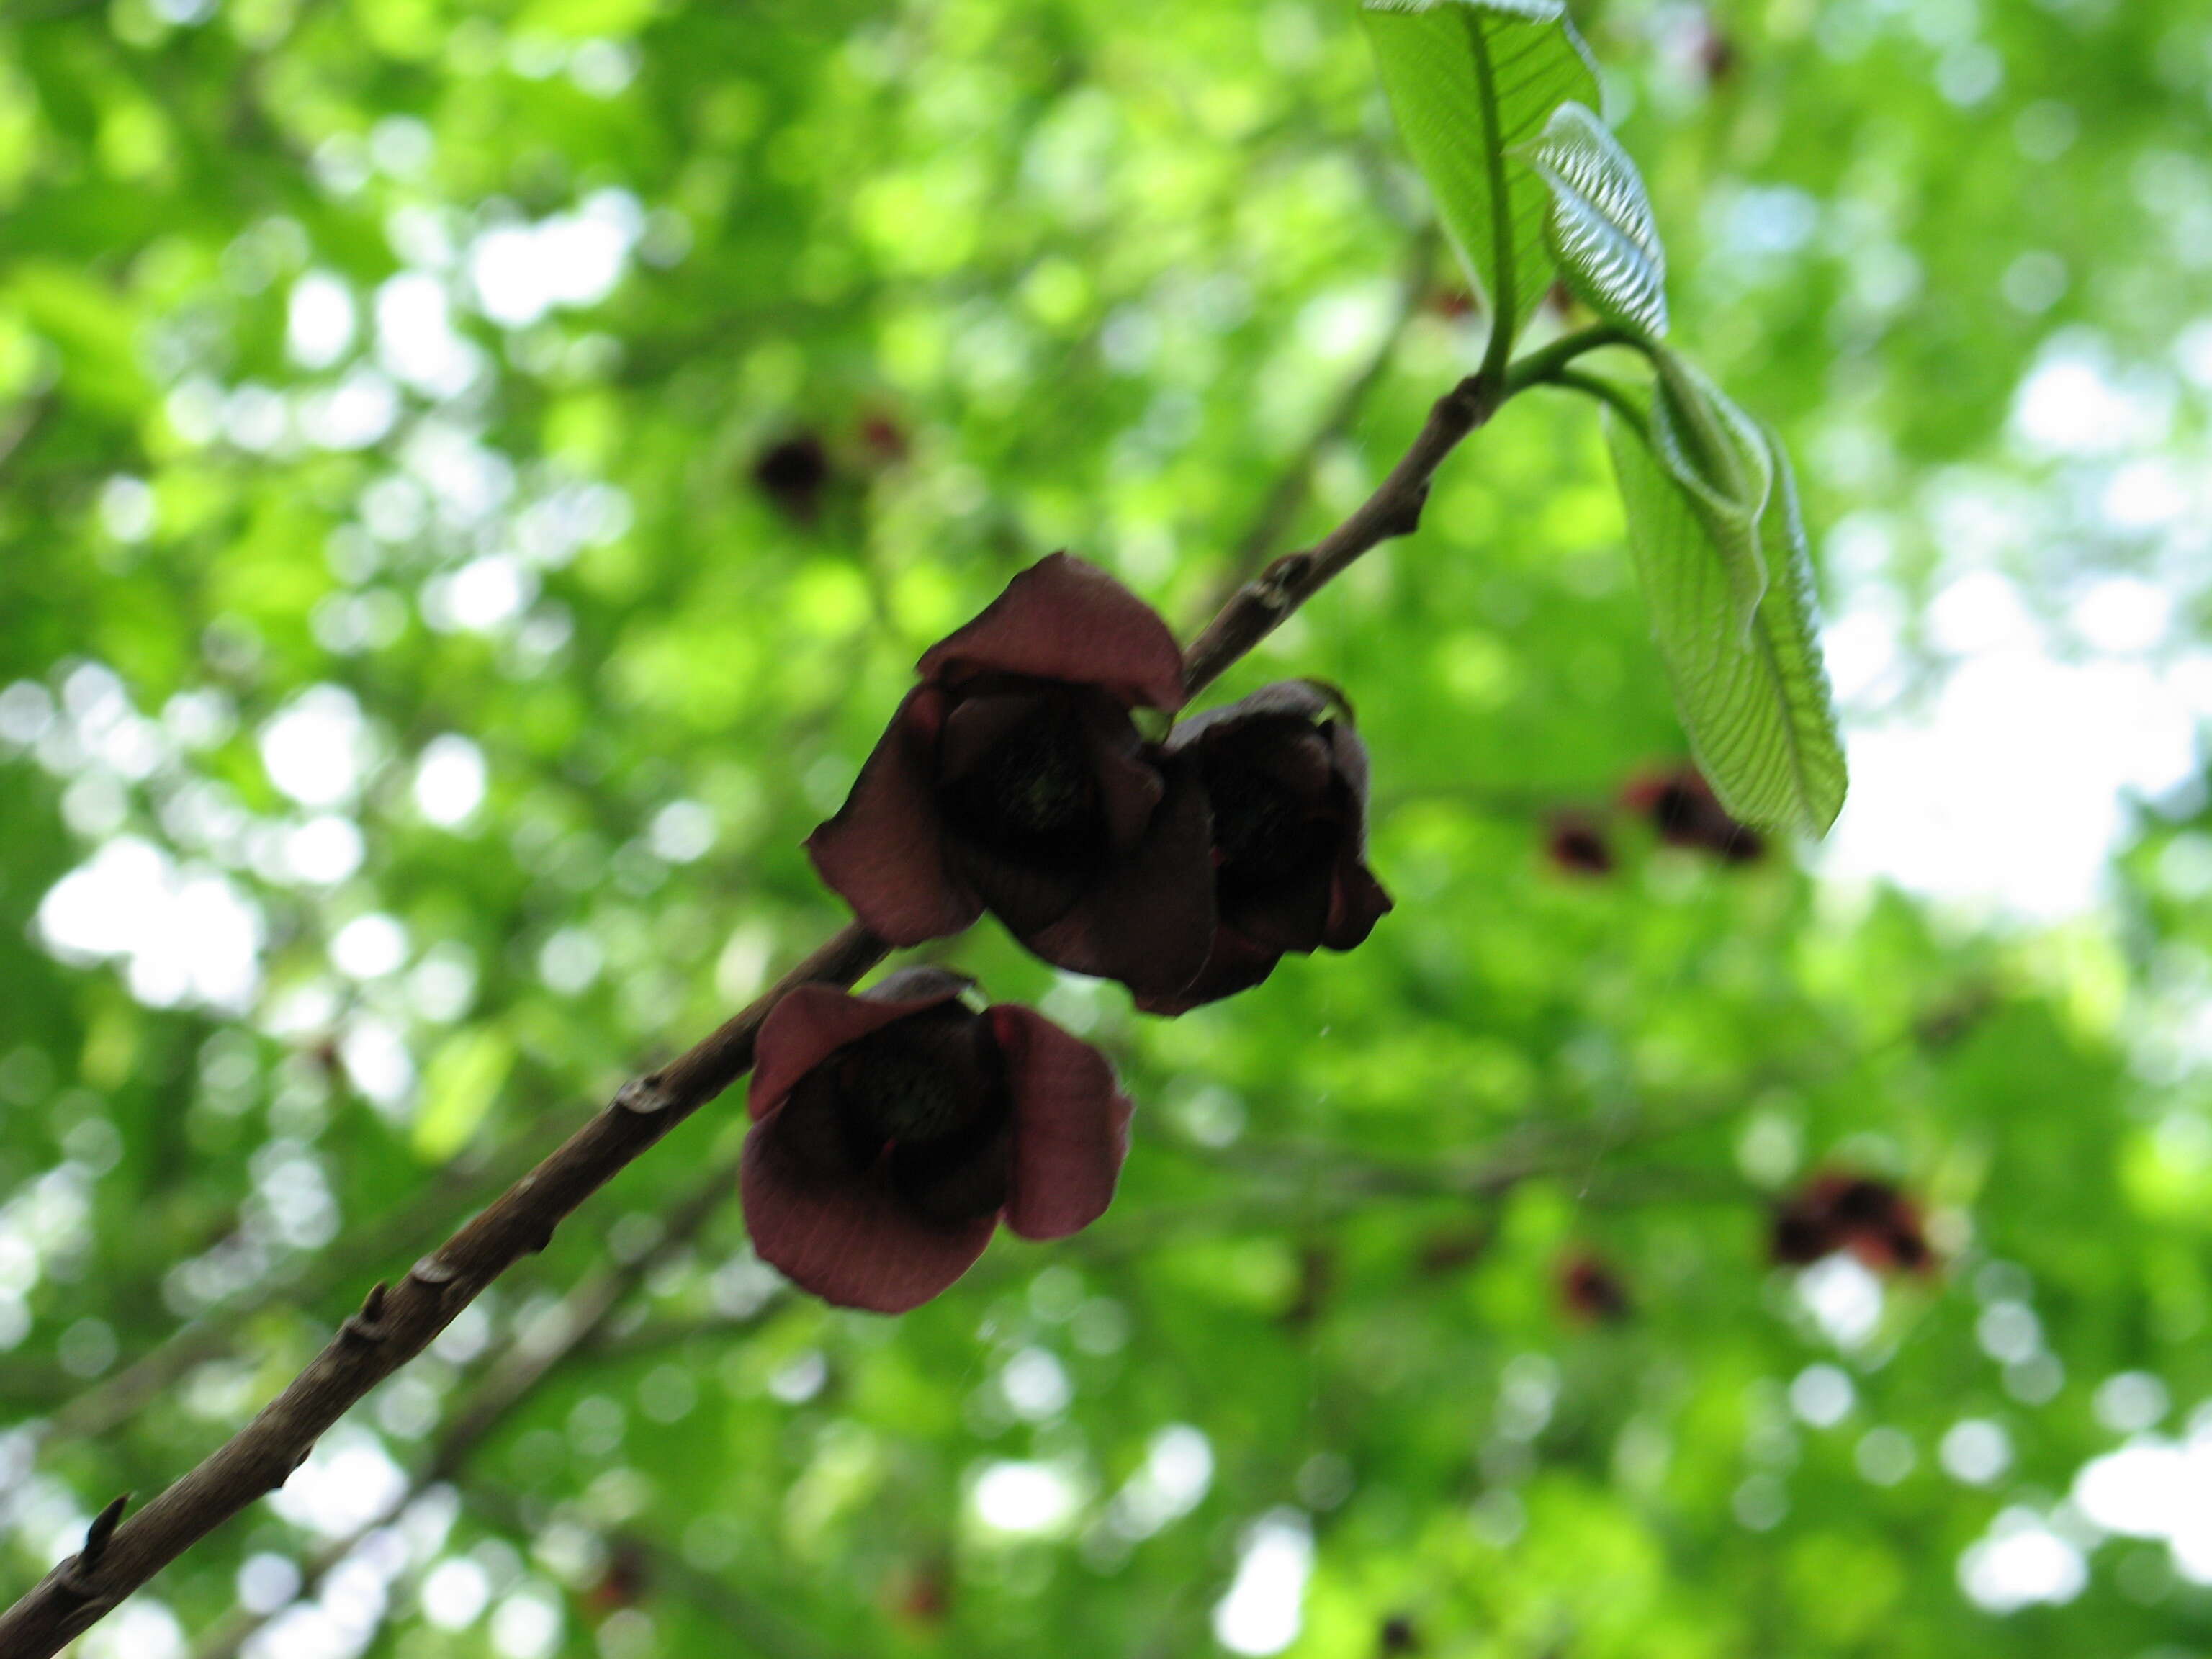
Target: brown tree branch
<point>395,1325</point>
<point>512,1378</point>
<point>1281,506</point>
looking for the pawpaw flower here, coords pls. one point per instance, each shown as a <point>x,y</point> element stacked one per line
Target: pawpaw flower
<point>1592,1292</point>
<point>1286,790</point>
<point>793,473</point>
<point>1013,779</point>
<point>1574,842</point>
<point>1841,1211</point>
<point>1683,808</point>
<point>893,1131</point>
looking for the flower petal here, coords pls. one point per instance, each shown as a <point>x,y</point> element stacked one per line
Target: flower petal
<point>855,1243</point>
<point>1292,915</point>
<point>1148,920</point>
<point>812,1022</point>
<point>1299,699</point>
<point>883,851</point>
<point>1236,963</point>
<point>1062,619</point>
<point>1356,903</point>
<point>1071,1125</point>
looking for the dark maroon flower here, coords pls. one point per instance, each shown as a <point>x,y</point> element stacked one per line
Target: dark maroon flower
<point>1682,807</point>
<point>1574,843</point>
<point>1287,791</point>
<point>792,472</point>
<point>1012,780</point>
<point>1591,1291</point>
<point>1841,1211</point>
<point>893,1132</point>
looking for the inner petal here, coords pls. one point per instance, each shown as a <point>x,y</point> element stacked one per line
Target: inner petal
<point>959,1178</point>
<point>1265,831</point>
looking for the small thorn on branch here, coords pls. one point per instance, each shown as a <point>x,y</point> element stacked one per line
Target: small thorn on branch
<point>101,1529</point>
<point>367,1325</point>
<point>74,1573</point>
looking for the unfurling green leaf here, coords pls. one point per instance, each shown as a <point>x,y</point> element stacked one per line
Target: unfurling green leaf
<point>1469,80</point>
<point>1719,458</point>
<point>1755,704</point>
<point>1599,228</point>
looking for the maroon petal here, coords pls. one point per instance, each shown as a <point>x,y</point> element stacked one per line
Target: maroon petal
<point>1062,619</point>
<point>1292,917</point>
<point>812,1022</point>
<point>1071,1125</point>
<point>1148,920</point>
<point>883,853</point>
<point>1356,903</point>
<point>1027,898</point>
<point>1298,699</point>
<point>1350,756</point>
<point>1129,782</point>
<point>1236,963</point>
<point>855,1242</point>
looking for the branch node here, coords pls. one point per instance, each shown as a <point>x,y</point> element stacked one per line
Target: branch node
<point>1405,517</point>
<point>433,1273</point>
<point>539,1244</point>
<point>1280,579</point>
<point>643,1096</point>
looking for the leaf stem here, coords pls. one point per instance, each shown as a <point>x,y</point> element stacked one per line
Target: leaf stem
<point>1547,362</point>
<point>1611,396</point>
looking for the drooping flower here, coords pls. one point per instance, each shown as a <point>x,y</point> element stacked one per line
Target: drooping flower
<point>893,1131</point>
<point>1870,1218</point>
<point>1685,812</point>
<point>1013,779</point>
<point>793,473</point>
<point>1591,1291</point>
<point>1574,843</point>
<point>1286,787</point>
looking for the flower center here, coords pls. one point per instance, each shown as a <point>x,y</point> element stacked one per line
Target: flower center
<point>907,1098</point>
<point>1031,794</point>
<point>923,1079</point>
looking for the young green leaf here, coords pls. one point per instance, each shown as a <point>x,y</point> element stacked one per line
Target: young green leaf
<point>1756,707</point>
<point>1717,456</point>
<point>1469,80</point>
<point>1599,228</point>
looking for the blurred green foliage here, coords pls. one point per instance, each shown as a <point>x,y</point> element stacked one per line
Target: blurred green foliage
<point>411,704</point>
